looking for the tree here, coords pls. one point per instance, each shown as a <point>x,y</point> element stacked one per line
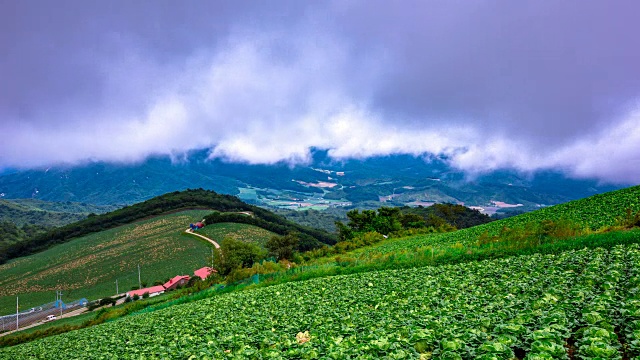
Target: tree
<point>344,232</point>
<point>234,254</point>
<point>387,220</point>
<point>384,221</point>
<point>283,247</point>
<point>361,221</point>
<point>412,221</point>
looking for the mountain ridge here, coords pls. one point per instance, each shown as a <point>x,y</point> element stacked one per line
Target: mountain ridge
<point>396,180</point>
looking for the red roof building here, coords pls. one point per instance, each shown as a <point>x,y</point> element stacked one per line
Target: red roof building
<point>176,281</point>
<point>204,272</point>
<point>153,291</point>
<point>173,283</point>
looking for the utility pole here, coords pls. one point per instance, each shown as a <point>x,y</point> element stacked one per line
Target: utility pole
<point>117,291</point>
<point>59,300</point>
<point>211,258</point>
<point>139,282</point>
<point>17,313</point>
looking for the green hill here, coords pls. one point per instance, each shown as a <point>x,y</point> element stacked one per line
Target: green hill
<point>73,257</point>
<point>310,238</point>
<point>579,303</point>
<point>88,266</point>
<point>225,205</point>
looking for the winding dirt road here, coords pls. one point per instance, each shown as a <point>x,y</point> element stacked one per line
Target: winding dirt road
<point>191,232</point>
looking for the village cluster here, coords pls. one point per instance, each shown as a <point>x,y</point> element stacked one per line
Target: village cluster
<point>172,284</point>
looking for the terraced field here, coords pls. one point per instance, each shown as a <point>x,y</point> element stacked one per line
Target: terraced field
<point>89,266</point>
<point>242,232</point>
<point>578,304</point>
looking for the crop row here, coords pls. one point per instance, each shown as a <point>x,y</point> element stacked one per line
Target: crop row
<point>580,304</point>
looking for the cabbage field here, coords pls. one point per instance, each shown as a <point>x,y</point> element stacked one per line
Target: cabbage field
<point>582,304</point>
<point>594,213</point>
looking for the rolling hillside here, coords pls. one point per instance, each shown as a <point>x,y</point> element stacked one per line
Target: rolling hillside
<point>224,205</point>
<point>579,303</point>
<point>593,212</point>
<point>85,258</point>
<point>87,267</point>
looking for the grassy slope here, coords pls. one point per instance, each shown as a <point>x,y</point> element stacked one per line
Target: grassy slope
<point>593,212</point>
<point>88,266</point>
<point>243,232</point>
<point>176,201</point>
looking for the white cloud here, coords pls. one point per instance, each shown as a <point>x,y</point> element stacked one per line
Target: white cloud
<point>248,102</point>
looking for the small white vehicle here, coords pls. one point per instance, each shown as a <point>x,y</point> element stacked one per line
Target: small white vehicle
<point>50,318</point>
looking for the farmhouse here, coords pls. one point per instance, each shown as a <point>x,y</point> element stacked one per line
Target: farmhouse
<point>176,281</point>
<point>173,283</point>
<point>204,272</point>
<point>153,291</point>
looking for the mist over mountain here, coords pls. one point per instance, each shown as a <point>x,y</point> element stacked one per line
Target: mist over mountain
<point>323,183</point>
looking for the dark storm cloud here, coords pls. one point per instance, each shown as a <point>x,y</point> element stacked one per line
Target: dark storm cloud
<point>545,69</point>
<point>525,85</point>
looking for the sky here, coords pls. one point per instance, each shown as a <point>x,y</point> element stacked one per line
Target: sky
<point>487,85</point>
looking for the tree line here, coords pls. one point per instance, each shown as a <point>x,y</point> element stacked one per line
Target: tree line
<point>237,259</point>
<point>397,221</point>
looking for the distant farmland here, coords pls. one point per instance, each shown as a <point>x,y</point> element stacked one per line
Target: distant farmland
<point>88,267</point>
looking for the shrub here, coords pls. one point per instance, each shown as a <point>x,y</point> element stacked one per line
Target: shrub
<point>107,301</point>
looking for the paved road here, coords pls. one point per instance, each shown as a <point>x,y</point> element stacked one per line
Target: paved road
<point>64,315</point>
